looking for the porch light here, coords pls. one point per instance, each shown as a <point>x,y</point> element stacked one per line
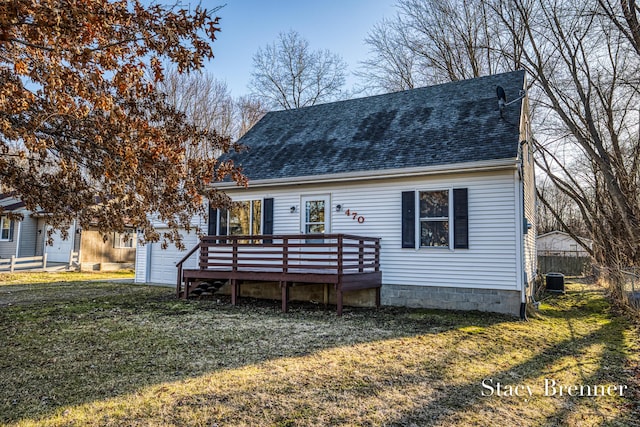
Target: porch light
<point>293,209</point>
<point>338,208</point>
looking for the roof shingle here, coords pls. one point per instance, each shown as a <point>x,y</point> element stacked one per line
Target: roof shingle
<point>436,125</point>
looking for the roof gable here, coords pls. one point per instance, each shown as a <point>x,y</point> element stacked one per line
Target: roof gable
<point>436,125</point>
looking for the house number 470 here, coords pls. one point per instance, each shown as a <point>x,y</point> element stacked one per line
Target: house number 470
<point>354,216</point>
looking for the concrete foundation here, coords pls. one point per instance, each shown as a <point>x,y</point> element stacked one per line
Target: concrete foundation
<point>492,300</point>
<point>304,292</point>
<point>106,266</point>
<point>446,298</point>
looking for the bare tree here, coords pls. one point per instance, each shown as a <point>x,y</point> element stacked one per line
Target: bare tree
<point>583,59</point>
<point>288,74</point>
<point>563,212</point>
<point>624,15</point>
<point>392,65</point>
<point>205,101</point>
<point>249,111</point>
<point>582,64</point>
<point>435,41</point>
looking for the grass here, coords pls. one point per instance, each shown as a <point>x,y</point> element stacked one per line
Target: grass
<point>76,352</point>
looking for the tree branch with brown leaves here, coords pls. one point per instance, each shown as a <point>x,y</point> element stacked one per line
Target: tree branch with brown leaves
<point>85,131</point>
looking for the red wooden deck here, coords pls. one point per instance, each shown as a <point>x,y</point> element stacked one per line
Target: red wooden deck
<point>345,261</point>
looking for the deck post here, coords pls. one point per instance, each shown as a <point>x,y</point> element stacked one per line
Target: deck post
<point>326,295</point>
<point>234,291</point>
<point>204,255</point>
<point>339,301</point>
<point>285,254</point>
<point>284,286</point>
<point>340,272</point>
<point>179,284</point>
<point>234,255</point>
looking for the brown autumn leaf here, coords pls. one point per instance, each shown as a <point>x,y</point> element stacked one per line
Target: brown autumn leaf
<point>84,131</point>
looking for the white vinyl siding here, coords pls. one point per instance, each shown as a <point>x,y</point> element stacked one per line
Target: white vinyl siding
<point>28,237</point>
<point>489,263</point>
<point>141,271</point>
<point>157,265</point>
<point>529,196</point>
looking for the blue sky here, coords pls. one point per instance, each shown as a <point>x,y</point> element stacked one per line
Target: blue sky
<point>340,26</point>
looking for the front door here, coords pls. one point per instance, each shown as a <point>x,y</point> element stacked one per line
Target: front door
<point>315,214</point>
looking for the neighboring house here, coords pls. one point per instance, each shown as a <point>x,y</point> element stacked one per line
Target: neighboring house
<point>17,238</point>
<point>558,243</point>
<point>27,238</point>
<point>117,252</point>
<point>441,174</point>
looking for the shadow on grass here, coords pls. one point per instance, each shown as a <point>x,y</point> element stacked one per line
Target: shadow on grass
<point>453,405</point>
<point>75,343</point>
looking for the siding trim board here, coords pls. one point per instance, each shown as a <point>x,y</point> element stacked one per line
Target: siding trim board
<point>425,171</point>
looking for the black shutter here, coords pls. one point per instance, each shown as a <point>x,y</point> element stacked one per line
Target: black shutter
<point>213,221</point>
<point>408,219</point>
<point>460,219</point>
<point>267,226</point>
<point>11,227</point>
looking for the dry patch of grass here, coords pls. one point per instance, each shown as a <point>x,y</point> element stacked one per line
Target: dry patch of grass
<point>89,353</point>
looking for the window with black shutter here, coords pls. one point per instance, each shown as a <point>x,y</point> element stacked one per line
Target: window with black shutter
<point>408,219</point>
<point>267,225</point>
<point>438,211</point>
<point>243,218</point>
<point>213,221</point>
<point>460,219</point>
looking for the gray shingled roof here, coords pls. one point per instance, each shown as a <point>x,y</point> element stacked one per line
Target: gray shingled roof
<point>430,126</point>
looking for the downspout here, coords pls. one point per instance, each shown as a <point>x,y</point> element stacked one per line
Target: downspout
<point>522,230</point>
<point>18,239</point>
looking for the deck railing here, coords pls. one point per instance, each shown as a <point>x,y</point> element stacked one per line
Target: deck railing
<point>331,253</point>
<point>348,262</point>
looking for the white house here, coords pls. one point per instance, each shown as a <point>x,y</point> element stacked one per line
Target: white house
<point>28,238</point>
<point>441,174</point>
<point>562,244</point>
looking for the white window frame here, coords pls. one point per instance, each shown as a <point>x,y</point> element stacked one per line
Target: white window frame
<point>326,198</point>
<point>5,222</point>
<point>449,219</point>
<point>119,238</point>
<point>227,212</point>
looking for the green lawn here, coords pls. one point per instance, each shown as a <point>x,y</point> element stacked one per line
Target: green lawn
<point>75,352</point>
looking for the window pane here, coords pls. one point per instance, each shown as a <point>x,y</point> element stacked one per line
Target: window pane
<point>314,228</point>
<point>239,219</point>
<point>257,216</point>
<point>434,204</point>
<point>4,228</point>
<point>124,240</point>
<point>315,211</point>
<point>224,223</point>
<point>434,233</point>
